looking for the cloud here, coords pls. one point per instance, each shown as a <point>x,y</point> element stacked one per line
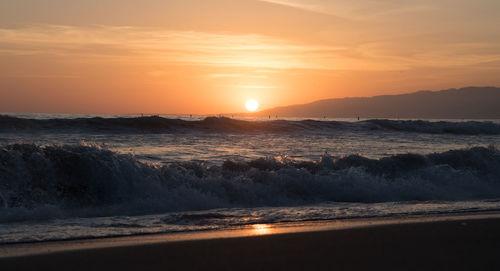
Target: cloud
<point>162,46</point>
<point>150,46</point>
<point>357,10</point>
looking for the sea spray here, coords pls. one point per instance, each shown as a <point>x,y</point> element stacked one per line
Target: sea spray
<point>41,182</point>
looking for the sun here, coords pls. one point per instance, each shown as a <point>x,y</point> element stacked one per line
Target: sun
<point>252,105</point>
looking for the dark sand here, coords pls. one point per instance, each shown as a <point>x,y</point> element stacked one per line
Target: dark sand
<point>471,244</point>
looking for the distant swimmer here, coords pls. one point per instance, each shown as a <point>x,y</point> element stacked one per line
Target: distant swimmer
<point>269,116</point>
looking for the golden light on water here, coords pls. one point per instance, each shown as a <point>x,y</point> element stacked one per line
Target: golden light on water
<point>260,229</point>
<point>252,105</point>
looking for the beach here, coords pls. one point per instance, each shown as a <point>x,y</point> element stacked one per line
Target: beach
<point>150,193</point>
<point>469,243</point>
<point>249,135</point>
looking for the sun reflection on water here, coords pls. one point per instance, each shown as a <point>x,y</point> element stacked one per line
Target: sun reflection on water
<point>261,229</point>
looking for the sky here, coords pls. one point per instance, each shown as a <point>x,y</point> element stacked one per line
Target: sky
<point>211,56</point>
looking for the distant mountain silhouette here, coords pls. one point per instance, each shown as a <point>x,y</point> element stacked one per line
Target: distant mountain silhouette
<point>464,103</point>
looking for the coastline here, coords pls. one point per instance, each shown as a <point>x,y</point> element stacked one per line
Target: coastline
<point>459,242</point>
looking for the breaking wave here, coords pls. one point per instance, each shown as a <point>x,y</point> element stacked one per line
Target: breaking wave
<point>156,124</point>
<point>42,182</point>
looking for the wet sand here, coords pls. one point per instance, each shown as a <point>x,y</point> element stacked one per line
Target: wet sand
<point>464,244</point>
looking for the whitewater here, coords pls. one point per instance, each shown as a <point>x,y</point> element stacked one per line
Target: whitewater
<point>85,176</point>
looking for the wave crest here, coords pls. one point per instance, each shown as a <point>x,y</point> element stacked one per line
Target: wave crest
<point>38,182</point>
<point>156,124</point>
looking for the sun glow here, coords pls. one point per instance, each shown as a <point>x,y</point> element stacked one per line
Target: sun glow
<point>261,229</point>
<point>252,105</point>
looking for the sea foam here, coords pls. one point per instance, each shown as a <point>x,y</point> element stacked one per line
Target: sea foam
<point>41,182</point>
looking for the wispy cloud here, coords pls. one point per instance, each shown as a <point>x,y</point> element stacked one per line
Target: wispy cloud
<point>175,47</point>
<point>258,52</point>
<point>236,75</point>
<point>360,10</point>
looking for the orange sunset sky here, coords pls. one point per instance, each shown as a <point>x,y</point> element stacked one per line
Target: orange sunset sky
<point>210,56</point>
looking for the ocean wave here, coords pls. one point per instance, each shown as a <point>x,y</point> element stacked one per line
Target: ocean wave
<point>436,127</point>
<point>40,182</point>
<point>157,124</point>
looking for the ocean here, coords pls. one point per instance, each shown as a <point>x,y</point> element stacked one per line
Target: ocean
<point>86,176</point>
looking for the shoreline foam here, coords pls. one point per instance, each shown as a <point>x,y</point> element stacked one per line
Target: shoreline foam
<point>248,231</point>
<point>450,244</point>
